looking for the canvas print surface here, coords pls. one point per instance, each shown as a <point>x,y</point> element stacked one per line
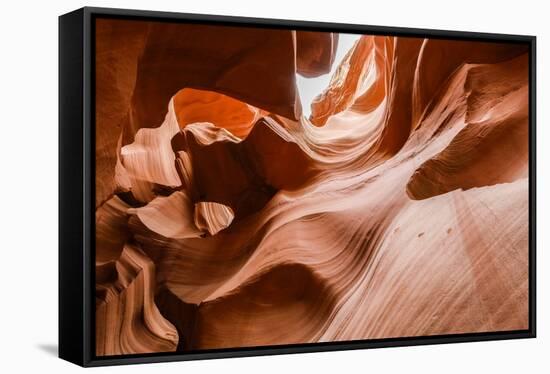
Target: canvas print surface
<point>261,187</point>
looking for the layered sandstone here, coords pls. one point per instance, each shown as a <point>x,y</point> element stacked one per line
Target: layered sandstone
<point>226,219</point>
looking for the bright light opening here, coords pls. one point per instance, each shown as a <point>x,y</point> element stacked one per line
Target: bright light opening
<point>309,88</point>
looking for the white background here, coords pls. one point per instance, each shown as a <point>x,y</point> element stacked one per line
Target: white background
<point>28,188</point>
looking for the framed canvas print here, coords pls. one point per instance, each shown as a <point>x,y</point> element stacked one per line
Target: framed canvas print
<point>235,186</point>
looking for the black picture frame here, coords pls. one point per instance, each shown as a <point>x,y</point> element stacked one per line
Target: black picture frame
<point>76,185</point>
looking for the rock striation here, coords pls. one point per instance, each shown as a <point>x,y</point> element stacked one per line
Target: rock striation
<point>225,218</point>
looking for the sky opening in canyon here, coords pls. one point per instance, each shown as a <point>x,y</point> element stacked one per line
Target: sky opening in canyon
<point>309,88</point>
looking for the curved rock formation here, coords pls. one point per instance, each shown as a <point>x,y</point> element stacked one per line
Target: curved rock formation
<point>398,209</point>
<point>212,217</point>
<point>118,46</point>
<point>141,65</point>
<point>493,146</point>
<point>111,230</point>
<point>127,320</point>
<point>315,52</point>
<point>237,117</point>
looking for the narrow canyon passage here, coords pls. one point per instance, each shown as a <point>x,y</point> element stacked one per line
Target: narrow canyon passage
<point>266,186</point>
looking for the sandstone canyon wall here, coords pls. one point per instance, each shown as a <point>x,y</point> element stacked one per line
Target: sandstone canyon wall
<point>225,218</point>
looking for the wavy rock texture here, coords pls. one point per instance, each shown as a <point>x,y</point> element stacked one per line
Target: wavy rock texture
<point>226,219</point>
<point>141,65</point>
<point>127,320</point>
